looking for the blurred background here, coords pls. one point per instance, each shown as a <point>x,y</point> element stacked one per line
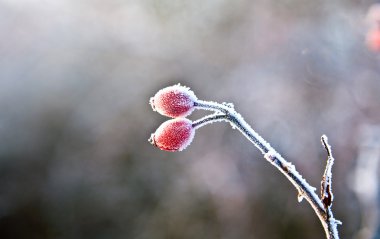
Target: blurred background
<point>75,81</point>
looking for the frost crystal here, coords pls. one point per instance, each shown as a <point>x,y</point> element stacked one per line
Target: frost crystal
<point>229,105</point>
<point>300,197</point>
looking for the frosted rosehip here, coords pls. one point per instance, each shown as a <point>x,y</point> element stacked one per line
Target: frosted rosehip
<point>174,101</point>
<point>173,135</point>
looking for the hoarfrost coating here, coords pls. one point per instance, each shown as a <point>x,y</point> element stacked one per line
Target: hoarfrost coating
<point>173,135</point>
<point>174,101</point>
<point>226,112</point>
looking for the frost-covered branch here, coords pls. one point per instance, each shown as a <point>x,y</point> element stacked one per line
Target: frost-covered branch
<point>304,189</point>
<point>176,134</point>
<point>326,192</point>
<point>327,195</point>
<point>209,119</point>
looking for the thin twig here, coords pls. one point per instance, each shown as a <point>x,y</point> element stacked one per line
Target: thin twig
<point>237,120</point>
<point>208,120</point>
<point>326,192</point>
<point>327,196</point>
<point>304,189</point>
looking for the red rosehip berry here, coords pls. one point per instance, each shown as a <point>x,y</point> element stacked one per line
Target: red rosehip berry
<point>174,101</point>
<point>173,135</point>
<point>373,40</point>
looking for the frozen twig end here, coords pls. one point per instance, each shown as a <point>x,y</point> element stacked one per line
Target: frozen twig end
<point>326,190</point>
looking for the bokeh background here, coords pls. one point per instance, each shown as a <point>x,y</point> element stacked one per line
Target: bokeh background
<point>75,81</point>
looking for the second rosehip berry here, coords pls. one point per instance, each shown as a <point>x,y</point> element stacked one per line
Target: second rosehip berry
<point>173,135</point>
<point>174,101</point>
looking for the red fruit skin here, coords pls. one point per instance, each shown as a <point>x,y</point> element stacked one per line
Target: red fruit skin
<point>373,40</point>
<point>174,101</point>
<point>173,135</point>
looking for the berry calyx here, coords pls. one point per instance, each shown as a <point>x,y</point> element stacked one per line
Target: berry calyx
<point>174,101</point>
<point>173,135</point>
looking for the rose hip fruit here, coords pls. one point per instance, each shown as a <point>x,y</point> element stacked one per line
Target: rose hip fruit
<point>173,135</point>
<point>174,101</point>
